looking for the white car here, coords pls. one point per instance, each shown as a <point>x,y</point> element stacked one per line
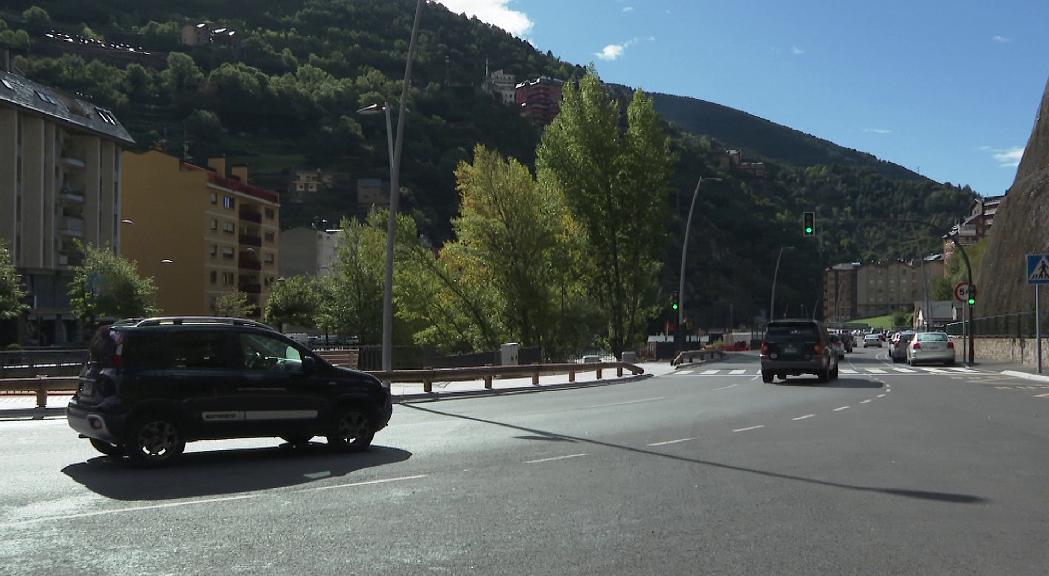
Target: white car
<point>931,347</point>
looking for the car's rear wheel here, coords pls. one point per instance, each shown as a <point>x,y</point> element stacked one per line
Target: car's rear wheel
<point>352,432</point>
<point>834,373</point>
<point>154,440</point>
<point>767,376</point>
<point>108,449</point>
<point>823,375</point>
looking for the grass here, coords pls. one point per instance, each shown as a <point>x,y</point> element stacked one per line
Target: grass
<point>880,322</point>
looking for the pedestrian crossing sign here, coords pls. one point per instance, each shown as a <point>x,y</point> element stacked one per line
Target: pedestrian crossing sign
<point>1038,268</point>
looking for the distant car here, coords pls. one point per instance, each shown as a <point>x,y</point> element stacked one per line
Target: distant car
<point>794,347</point>
<point>898,348</point>
<point>872,340</point>
<point>931,347</point>
<point>838,345</point>
<point>849,340</point>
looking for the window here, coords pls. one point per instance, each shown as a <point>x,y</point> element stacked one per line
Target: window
<point>270,236</point>
<point>213,277</point>
<point>270,213</point>
<point>298,187</point>
<point>197,349</point>
<point>268,258</point>
<point>45,97</point>
<point>144,349</point>
<point>227,252</point>
<point>227,279</point>
<point>214,198</point>
<point>228,202</point>
<point>213,250</point>
<point>265,353</point>
<point>214,224</point>
<point>228,227</point>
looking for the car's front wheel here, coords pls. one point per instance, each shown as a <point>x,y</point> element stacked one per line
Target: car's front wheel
<point>154,440</point>
<point>108,449</point>
<point>352,431</point>
<point>767,376</point>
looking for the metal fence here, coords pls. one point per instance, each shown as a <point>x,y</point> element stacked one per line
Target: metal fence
<point>419,357</point>
<point>1018,325</point>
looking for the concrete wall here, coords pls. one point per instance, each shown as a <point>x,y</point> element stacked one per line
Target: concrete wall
<point>8,170</point>
<point>1019,350</point>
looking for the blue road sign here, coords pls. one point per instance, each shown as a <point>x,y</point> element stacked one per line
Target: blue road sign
<point>1038,268</point>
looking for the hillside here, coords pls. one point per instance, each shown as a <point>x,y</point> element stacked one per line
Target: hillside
<point>286,96</point>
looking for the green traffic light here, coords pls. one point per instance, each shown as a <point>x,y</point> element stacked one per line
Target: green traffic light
<point>674,306</point>
<point>972,301</point>
<point>808,230</point>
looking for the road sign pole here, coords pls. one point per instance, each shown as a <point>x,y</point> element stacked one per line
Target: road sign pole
<point>1038,326</point>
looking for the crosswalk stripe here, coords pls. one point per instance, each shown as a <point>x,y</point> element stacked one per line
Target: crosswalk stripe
<point>847,371</point>
<point>904,370</point>
<point>737,372</point>
<point>933,370</point>
<point>875,370</point>
<point>684,372</point>
<point>959,369</point>
<point>709,372</point>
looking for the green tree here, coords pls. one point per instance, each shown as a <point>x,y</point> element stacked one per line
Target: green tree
<point>615,184</point>
<point>353,303</point>
<point>294,300</point>
<point>37,18</point>
<point>11,292</point>
<point>234,305</point>
<point>108,286</point>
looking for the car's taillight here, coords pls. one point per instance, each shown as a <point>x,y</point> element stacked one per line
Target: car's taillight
<point>818,348</point>
<point>764,347</point>
<point>917,345</point>
<point>950,345</point>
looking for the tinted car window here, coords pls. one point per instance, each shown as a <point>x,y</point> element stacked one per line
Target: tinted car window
<point>196,349</point>
<point>259,352</point>
<point>932,337</point>
<point>782,332</point>
<point>144,349</point>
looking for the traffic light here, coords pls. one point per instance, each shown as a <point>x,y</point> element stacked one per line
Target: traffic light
<point>809,224</point>
<point>972,295</point>
<point>673,301</point>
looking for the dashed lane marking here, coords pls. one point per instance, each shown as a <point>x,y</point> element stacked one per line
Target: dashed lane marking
<point>881,395</point>
<point>865,401</point>
<point>749,428</point>
<point>566,457</point>
<point>905,370</point>
<point>840,408</point>
<point>803,417</point>
<point>737,372</point>
<point>709,372</point>
<point>668,442</point>
<point>368,482</point>
<point>726,387</point>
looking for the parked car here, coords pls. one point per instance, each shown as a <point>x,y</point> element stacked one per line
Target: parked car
<point>872,340</point>
<point>838,345</point>
<point>898,346</point>
<point>794,347</point>
<point>152,385</point>
<point>935,347</point>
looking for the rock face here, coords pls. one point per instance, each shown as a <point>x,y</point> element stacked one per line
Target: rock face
<point>1021,226</point>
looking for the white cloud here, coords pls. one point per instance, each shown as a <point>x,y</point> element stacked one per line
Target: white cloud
<point>796,51</point>
<point>495,12</point>
<point>1001,39</point>
<point>877,131</point>
<point>1008,157</point>
<point>614,51</point>
<point>628,8</point>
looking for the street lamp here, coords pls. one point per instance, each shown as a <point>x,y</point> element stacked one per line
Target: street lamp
<point>775,276</point>
<point>684,253</point>
<point>396,148</point>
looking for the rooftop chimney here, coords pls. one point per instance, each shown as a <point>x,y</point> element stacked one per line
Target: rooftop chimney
<point>218,164</point>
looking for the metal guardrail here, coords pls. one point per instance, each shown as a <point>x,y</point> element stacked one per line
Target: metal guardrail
<point>489,373</point>
<point>40,386</point>
<point>691,355</point>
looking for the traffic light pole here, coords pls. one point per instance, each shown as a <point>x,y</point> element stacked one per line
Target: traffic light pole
<point>970,352</point>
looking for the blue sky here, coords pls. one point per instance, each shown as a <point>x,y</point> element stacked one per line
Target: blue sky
<point>949,88</point>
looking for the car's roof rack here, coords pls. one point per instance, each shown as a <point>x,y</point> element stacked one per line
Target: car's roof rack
<point>191,320</point>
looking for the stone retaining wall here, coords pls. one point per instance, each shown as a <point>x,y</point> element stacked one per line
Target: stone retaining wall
<point>1019,350</point>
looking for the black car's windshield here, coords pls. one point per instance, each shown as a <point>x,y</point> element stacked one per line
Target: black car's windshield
<point>791,332</point>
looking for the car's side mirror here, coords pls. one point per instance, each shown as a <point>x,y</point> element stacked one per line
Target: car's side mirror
<point>309,365</point>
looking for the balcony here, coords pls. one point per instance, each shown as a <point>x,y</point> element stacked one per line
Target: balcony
<point>250,288</point>
<point>248,240</point>
<point>249,215</point>
<point>71,226</point>
<point>72,196</point>
<point>249,265</point>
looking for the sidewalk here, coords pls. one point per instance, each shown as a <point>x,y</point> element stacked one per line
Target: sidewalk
<point>24,405</point>
<point>1015,370</point>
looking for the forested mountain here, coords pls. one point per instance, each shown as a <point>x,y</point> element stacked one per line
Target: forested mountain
<point>287,94</point>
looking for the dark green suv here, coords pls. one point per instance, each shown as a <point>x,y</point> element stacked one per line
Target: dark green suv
<point>794,347</point>
<point>152,385</point>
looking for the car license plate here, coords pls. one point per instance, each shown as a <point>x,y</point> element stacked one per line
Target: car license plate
<point>790,350</point>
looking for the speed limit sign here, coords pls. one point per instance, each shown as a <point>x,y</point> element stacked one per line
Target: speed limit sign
<point>961,291</point>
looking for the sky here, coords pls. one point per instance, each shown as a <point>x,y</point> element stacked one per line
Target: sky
<point>948,88</point>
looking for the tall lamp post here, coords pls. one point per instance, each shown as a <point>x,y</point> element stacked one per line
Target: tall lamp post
<point>396,148</point>
<point>684,254</point>
<point>775,277</point>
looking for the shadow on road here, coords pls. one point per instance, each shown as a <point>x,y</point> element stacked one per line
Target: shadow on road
<point>225,471</point>
<point>921,494</point>
<point>839,383</point>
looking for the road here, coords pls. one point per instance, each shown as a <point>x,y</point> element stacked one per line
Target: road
<point>888,470</point>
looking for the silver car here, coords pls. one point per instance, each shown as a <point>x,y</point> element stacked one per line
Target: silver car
<point>928,347</point>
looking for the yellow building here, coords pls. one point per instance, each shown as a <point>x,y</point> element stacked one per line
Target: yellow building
<point>198,232</point>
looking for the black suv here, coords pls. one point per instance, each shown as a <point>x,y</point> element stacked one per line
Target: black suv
<point>152,385</point>
<point>793,347</point>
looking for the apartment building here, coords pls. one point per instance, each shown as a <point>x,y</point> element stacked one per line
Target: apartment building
<point>307,251</point>
<point>856,290</point>
<point>539,99</point>
<point>501,85</point>
<point>199,232</point>
<point>60,164</point>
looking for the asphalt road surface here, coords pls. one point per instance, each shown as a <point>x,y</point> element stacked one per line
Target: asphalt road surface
<point>888,470</point>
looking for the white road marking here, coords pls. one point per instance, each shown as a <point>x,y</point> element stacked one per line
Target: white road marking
<point>1046,395</point>
<point>749,428</point>
<point>710,372</point>
<point>904,370</point>
<point>131,509</point>
<point>933,370</point>
<point>840,408</point>
<point>875,370</point>
<point>554,458</point>
<point>755,378</point>
<point>684,372</point>
<point>627,402</point>
<point>1003,387</point>
<point>726,387</point>
<point>367,482</point>
<point>847,371</point>
<point>678,441</point>
<point>881,395</point>
<point>803,417</point>
<point>865,401</point>
<point>737,372</point>
<point>960,369</point>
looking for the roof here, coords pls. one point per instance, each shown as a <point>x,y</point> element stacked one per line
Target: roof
<point>25,94</point>
<point>541,80</point>
<point>236,185</point>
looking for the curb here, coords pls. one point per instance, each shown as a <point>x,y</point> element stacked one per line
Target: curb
<point>1025,375</point>
<point>435,396</point>
<point>31,413</point>
<point>700,363</point>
